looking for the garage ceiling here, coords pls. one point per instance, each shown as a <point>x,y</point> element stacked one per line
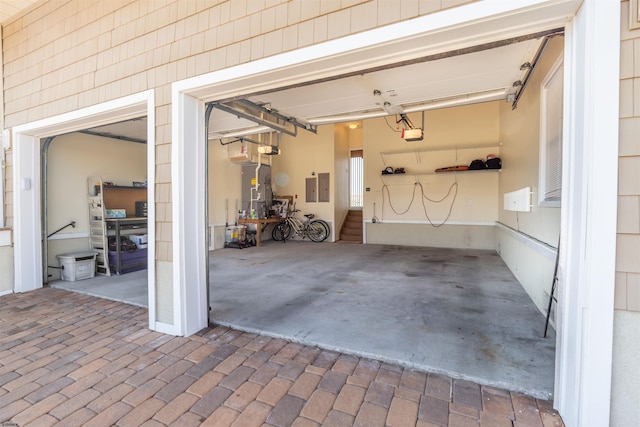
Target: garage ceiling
<point>479,74</point>
<point>484,74</point>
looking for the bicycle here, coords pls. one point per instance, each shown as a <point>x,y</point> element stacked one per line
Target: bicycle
<point>316,229</point>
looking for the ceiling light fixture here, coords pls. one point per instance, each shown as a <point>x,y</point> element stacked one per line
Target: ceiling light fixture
<point>242,132</point>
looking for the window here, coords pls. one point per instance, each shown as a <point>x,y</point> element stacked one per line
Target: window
<point>356,178</point>
<point>550,175</point>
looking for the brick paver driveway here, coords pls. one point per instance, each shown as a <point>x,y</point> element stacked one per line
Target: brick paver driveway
<point>69,360</point>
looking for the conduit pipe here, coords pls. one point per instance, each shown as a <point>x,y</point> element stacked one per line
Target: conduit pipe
<point>255,193</point>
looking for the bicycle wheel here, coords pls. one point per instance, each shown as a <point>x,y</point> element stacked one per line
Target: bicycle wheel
<point>317,231</point>
<point>325,224</point>
<point>281,231</point>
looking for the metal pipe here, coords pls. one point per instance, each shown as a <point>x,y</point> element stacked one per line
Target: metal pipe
<point>111,136</point>
<point>531,68</point>
<point>43,201</point>
<point>256,119</point>
<point>71,224</point>
<point>257,185</point>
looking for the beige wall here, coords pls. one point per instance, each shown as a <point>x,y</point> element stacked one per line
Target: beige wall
<point>72,158</point>
<point>520,135</point>
<point>75,157</point>
<point>450,135</point>
<point>305,156</point>
<point>225,189</point>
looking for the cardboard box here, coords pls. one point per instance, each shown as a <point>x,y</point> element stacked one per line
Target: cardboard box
<point>115,213</point>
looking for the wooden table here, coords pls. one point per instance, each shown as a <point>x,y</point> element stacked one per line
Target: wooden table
<point>258,222</point>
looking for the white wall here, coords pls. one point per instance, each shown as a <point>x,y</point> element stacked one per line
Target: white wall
<point>340,179</point>
<point>72,159</point>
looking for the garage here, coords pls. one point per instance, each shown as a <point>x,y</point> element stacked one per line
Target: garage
<point>95,190</point>
<point>466,106</point>
<point>459,105</point>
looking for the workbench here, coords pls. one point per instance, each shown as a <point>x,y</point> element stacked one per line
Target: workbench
<point>259,222</point>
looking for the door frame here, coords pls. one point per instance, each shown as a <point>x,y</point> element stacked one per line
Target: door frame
<point>584,342</point>
<point>28,233</point>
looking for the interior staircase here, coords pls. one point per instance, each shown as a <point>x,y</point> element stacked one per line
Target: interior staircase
<point>352,228</point>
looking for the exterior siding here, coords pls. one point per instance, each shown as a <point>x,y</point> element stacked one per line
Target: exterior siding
<point>628,246</point>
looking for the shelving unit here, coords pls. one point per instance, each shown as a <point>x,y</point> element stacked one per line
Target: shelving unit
<point>101,197</point>
<point>98,240</point>
<point>424,161</point>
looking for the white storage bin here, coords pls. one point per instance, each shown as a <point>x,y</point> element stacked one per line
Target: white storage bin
<point>140,240</point>
<point>77,266</point>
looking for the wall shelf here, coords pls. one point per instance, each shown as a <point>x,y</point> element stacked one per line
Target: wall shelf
<point>442,173</point>
<point>443,148</point>
<point>424,161</point>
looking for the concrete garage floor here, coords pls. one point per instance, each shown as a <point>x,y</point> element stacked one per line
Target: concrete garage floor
<point>130,287</point>
<point>451,311</point>
<point>457,312</point>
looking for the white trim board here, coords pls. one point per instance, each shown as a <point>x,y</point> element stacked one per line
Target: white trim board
<point>66,236</point>
<point>435,221</point>
<point>588,215</point>
<point>542,248</point>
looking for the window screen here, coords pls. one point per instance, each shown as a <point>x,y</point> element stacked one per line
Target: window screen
<point>356,178</point>
<point>551,120</point>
